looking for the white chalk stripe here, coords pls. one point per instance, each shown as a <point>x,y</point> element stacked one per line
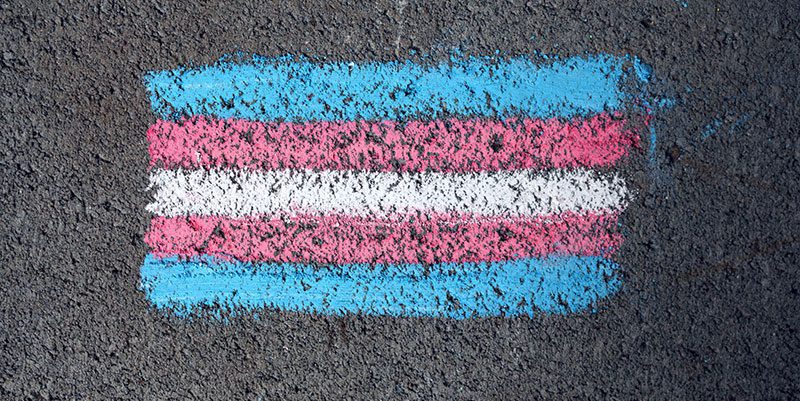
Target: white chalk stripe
<point>238,193</point>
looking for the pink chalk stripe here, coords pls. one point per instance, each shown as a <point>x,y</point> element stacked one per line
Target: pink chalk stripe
<point>340,239</point>
<point>443,145</point>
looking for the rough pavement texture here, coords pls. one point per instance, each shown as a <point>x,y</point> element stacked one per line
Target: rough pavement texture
<point>709,305</point>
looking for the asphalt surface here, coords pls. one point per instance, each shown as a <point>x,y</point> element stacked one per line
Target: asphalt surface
<point>709,305</point>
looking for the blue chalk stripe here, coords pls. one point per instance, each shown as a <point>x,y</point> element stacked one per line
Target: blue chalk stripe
<point>277,89</point>
<point>557,284</point>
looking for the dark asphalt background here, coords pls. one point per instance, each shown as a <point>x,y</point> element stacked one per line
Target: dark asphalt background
<point>709,309</point>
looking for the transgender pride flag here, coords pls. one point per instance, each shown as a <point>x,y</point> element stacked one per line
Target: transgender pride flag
<point>476,187</point>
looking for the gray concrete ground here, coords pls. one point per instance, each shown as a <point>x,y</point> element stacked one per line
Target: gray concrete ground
<point>709,306</point>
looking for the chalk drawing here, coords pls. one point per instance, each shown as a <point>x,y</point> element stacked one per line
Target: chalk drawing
<point>480,186</point>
